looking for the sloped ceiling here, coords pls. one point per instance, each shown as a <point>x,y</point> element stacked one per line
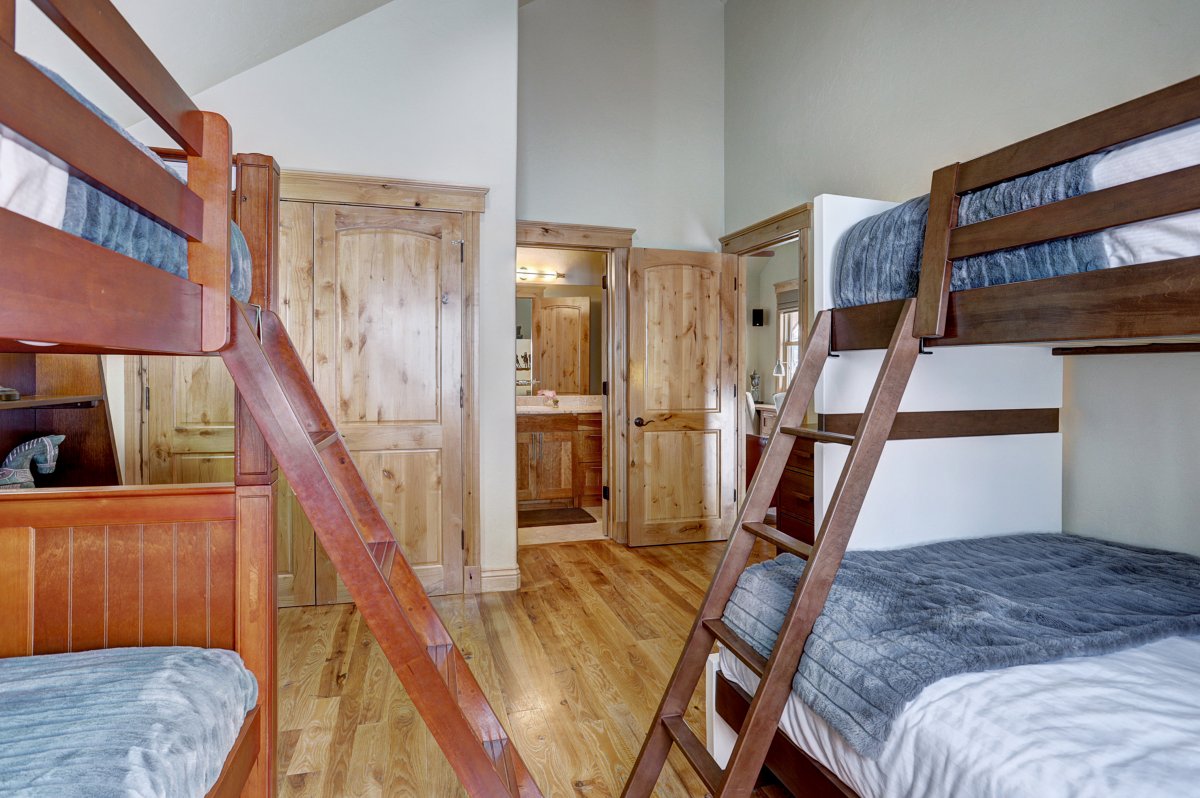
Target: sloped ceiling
<point>200,43</point>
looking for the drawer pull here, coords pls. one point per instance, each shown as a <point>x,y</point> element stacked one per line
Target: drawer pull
<point>804,498</point>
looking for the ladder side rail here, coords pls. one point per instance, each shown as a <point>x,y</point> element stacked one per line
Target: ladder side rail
<point>762,718</point>
<point>690,665</point>
<point>400,641</point>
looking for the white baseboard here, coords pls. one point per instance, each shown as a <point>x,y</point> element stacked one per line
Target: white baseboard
<point>500,580</point>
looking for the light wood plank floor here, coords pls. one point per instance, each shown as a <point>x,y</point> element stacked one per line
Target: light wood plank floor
<point>574,663</point>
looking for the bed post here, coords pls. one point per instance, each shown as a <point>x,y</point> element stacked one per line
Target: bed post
<point>256,212</point>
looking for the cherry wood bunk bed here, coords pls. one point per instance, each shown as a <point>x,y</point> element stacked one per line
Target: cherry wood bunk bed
<point>1149,300</point>
<point>72,551</point>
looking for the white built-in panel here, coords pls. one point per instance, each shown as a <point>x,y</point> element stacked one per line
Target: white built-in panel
<point>935,489</point>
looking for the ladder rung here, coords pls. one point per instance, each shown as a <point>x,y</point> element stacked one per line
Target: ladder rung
<point>738,645</point>
<point>323,440</point>
<point>786,542</point>
<point>706,767</point>
<point>819,435</point>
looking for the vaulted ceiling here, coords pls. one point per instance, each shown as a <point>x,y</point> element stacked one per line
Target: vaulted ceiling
<point>201,43</point>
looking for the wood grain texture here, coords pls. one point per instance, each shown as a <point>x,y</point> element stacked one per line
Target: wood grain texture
<point>573,662</point>
<point>562,332</point>
<point>1154,300</point>
<point>379,191</point>
<point>682,388</point>
<point>100,586</point>
<point>936,266</point>
<point>209,258</point>
<point>256,212</point>
<point>954,423</point>
<point>572,236</point>
<point>1134,349</point>
<point>387,348</point>
<point>147,310</point>
<point>780,228</point>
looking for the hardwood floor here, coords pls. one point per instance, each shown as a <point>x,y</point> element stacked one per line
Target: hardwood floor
<point>575,663</point>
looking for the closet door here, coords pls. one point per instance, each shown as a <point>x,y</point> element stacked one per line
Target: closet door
<point>189,420</point>
<point>387,345</point>
<point>683,396</point>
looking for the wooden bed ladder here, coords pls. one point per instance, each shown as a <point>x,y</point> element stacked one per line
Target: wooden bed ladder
<point>824,558</point>
<point>282,399</point>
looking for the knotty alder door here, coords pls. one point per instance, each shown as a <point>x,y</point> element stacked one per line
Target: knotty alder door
<point>683,396</point>
<point>373,299</point>
<point>562,341</point>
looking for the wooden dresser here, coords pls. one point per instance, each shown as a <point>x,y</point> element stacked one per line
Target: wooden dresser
<point>794,498</point>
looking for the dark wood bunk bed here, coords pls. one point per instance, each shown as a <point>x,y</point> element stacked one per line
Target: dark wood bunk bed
<point>86,299</point>
<point>1150,301</point>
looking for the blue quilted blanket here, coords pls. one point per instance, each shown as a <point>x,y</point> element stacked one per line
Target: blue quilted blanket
<point>897,621</point>
<point>879,258</point>
<point>36,186</point>
<point>121,723</point>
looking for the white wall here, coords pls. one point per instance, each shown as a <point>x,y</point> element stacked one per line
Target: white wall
<point>424,91</point>
<point>621,117</point>
<point>867,98</point>
<point>1133,449</point>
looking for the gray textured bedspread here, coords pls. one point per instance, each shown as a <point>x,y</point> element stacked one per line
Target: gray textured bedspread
<point>899,620</point>
<point>34,186</point>
<point>126,722</point>
<point>879,258</point>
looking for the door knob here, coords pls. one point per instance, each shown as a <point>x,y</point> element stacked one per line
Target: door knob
<point>641,422</point>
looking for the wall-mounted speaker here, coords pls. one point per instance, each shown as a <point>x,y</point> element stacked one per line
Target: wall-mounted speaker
<point>756,317</point>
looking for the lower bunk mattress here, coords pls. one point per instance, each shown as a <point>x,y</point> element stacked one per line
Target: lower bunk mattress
<point>879,258</point>
<point>125,722</point>
<point>1120,724</point>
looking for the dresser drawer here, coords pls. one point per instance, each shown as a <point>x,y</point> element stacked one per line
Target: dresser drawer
<point>801,457</point>
<point>795,526</point>
<point>796,494</point>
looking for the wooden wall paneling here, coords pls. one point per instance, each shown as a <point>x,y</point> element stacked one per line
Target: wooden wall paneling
<point>17,371</point>
<point>16,591</point>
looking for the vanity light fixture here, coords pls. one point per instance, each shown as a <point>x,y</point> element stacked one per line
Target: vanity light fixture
<point>526,273</point>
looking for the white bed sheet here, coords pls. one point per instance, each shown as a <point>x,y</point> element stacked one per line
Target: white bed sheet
<point>1157,239</point>
<point>1124,724</point>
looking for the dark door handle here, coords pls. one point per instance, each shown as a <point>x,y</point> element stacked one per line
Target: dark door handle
<point>641,422</point>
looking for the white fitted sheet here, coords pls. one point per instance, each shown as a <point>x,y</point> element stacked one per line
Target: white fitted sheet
<point>1123,724</point>
<point>1157,239</point>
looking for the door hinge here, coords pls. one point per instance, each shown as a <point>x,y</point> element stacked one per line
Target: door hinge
<point>604,282</point>
<point>462,397</point>
<point>464,539</point>
<point>604,493</point>
<point>462,249</point>
<point>604,388</point>
<point>146,397</point>
<point>735,495</point>
<point>734,283</point>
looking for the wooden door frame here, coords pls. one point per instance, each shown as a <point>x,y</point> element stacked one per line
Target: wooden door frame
<point>470,201</point>
<point>782,228</point>
<point>615,242</point>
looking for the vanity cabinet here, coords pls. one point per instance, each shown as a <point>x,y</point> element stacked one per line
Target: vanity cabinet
<point>559,458</point>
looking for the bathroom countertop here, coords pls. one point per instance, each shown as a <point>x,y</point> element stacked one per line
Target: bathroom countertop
<point>540,410</point>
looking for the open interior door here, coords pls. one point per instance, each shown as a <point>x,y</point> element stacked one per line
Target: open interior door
<point>683,396</point>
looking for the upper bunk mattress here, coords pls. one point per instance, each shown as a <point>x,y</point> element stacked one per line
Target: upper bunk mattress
<point>35,186</point>
<point>120,723</point>
<point>879,258</point>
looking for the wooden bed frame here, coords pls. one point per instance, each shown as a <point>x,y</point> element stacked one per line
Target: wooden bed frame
<point>1146,301</point>
<point>103,567</point>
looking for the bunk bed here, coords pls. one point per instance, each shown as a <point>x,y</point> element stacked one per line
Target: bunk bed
<point>184,573</point>
<point>1043,722</point>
